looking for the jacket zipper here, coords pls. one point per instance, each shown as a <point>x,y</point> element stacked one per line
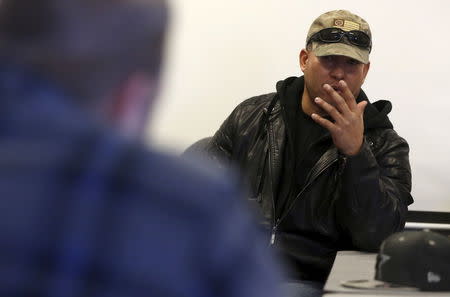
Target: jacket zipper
<point>324,167</point>
<point>274,232</point>
<point>274,223</point>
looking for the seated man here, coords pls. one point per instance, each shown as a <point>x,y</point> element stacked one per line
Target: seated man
<point>323,163</point>
<point>86,209</point>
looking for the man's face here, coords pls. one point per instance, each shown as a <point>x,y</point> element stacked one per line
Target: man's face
<point>330,70</point>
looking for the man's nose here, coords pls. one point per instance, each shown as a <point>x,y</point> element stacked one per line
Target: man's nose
<point>337,72</point>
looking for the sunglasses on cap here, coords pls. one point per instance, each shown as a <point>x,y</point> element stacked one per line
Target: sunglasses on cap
<point>334,35</point>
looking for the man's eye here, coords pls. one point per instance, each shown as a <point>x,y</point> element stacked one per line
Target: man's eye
<point>353,62</point>
<point>327,59</point>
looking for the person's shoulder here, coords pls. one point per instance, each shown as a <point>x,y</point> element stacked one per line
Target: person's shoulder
<point>386,138</point>
<point>187,172</point>
<point>254,106</point>
<point>258,100</point>
<point>187,182</point>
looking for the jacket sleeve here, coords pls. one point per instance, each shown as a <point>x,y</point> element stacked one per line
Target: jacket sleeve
<point>376,186</point>
<point>240,129</point>
<point>220,146</point>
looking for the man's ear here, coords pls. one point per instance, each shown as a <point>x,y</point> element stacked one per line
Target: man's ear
<point>303,59</point>
<point>131,104</point>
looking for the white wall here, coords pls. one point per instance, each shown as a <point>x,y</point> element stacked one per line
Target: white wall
<point>221,52</point>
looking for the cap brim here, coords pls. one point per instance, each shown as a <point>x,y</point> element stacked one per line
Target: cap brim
<point>374,285</point>
<point>341,49</point>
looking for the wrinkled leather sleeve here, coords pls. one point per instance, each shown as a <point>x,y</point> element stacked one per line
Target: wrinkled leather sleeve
<point>376,186</point>
<point>238,130</point>
<point>221,145</point>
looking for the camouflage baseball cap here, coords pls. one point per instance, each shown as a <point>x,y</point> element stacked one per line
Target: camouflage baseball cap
<point>346,21</point>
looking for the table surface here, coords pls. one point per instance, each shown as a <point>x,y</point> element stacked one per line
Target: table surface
<point>353,265</point>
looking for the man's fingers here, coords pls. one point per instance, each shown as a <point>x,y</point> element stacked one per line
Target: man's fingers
<point>340,103</point>
<point>323,122</point>
<point>347,95</point>
<point>329,109</point>
<point>362,106</point>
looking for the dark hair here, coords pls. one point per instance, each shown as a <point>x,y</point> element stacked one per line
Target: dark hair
<point>87,45</point>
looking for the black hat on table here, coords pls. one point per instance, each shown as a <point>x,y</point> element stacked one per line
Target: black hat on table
<point>414,259</point>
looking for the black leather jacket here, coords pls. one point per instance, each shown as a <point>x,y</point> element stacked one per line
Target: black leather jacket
<point>347,202</point>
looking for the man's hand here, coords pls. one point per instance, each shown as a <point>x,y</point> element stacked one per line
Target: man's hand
<point>347,131</point>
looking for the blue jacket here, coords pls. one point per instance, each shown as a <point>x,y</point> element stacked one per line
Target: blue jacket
<point>85,213</point>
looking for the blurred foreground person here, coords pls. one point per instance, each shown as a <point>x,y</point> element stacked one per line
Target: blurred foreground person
<point>85,209</point>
